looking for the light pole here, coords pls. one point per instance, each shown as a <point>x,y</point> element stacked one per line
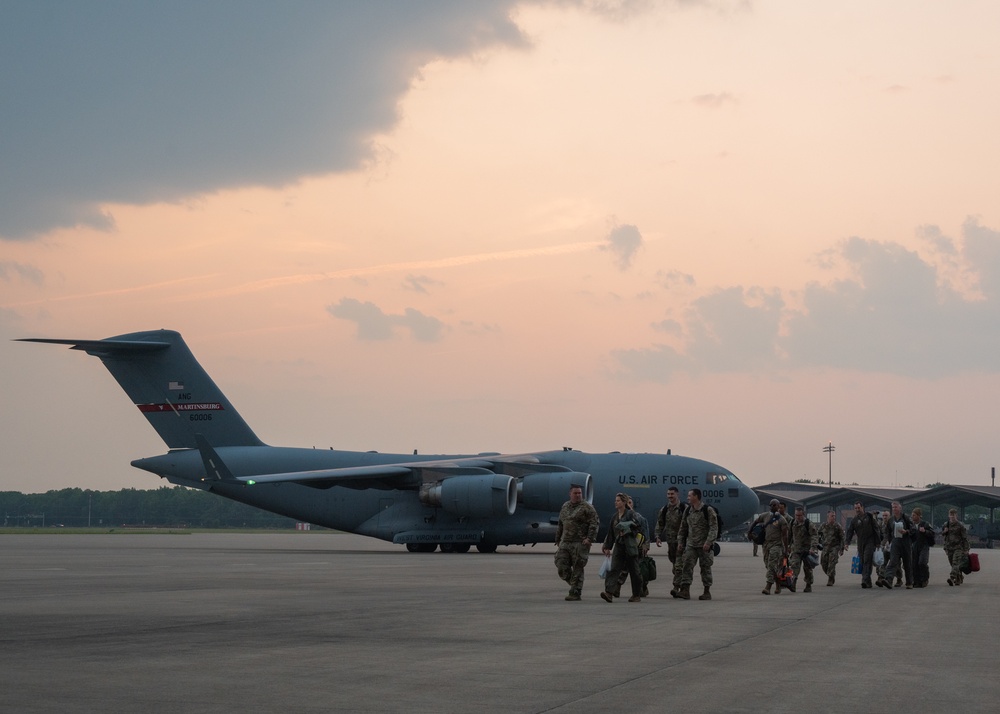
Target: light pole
<point>829,449</point>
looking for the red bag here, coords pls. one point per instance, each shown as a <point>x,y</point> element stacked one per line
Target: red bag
<point>785,576</point>
<point>974,562</point>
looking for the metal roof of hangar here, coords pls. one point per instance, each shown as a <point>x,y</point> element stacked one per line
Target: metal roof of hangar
<point>814,497</point>
<point>792,493</point>
<point>871,498</point>
<point>959,496</point>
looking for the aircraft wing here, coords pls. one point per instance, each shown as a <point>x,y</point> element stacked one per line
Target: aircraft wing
<point>375,475</point>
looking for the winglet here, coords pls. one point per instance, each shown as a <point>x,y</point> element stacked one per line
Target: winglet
<point>215,468</point>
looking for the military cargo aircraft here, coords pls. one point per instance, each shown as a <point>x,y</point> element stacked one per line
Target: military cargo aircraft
<point>422,502</point>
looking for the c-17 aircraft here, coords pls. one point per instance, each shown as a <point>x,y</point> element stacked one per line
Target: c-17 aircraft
<point>423,502</point>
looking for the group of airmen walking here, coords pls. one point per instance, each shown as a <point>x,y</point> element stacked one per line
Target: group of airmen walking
<point>905,543</point>
<point>690,531</point>
<point>790,545</point>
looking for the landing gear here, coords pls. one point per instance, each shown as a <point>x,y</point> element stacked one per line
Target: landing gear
<point>462,547</point>
<point>421,547</point>
<point>486,547</point>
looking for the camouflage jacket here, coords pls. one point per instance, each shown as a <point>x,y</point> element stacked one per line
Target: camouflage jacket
<point>956,536</point>
<point>577,521</point>
<point>775,528</point>
<point>668,522</point>
<point>804,536</point>
<point>832,535</point>
<point>698,527</point>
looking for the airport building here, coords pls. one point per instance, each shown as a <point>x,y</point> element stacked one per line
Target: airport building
<point>934,502</point>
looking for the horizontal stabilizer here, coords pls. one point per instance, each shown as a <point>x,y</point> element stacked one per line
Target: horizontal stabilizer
<point>99,347</point>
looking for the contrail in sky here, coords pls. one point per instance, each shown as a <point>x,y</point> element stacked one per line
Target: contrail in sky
<point>116,291</point>
<point>453,262</point>
<point>305,278</point>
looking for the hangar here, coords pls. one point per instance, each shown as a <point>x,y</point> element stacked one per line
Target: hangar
<point>935,501</point>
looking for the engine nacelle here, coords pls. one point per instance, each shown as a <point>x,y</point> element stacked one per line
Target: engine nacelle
<point>549,491</point>
<point>478,496</point>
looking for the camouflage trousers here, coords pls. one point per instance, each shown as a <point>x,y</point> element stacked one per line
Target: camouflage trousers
<point>797,561</point>
<point>571,559</point>
<point>772,559</point>
<point>694,555</point>
<point>828,562</point>
<point>676,563</point>
<point>958,558</point>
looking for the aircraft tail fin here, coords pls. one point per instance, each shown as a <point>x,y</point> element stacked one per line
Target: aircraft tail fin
<point>175,394</point>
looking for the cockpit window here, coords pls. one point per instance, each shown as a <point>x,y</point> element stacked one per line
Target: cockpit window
<point>713,479</point>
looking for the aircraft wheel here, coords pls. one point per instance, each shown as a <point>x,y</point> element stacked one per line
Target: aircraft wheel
<point>413,547</point>
<point>487,547</point>
<point>462,547</point>
<point>447,547</point>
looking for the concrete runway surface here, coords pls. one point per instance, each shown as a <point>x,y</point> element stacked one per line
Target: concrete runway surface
<point>321,622</point>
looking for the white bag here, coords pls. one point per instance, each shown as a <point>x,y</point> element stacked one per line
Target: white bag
<point>879,557</point>
<point>605,567</point>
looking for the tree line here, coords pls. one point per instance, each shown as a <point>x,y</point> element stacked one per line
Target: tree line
<point>167,506</point>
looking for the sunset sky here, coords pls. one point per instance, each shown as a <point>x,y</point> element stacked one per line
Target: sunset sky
<point>737,230</point>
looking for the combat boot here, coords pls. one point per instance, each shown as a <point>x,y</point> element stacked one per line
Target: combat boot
<point>829,581</point>
<point>573,595</point>
<point>685,593</point>
<point>706,596</point>
<point>766,590</point>
<point>808,588</point>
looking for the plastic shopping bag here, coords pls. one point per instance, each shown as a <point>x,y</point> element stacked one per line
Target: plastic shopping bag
<point>605,567</point>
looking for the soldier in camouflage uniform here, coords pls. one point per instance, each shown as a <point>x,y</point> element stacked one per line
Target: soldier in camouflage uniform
<point>578,524</point>
<point>783,510</point>
<point>956,546</point>
<point>775,544</point>
<point>695,538</point>
<point>668,523</point>
<point>804,537</point>
<point>834,541</point>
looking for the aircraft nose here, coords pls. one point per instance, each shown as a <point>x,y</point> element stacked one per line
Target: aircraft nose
<point>749,502</point>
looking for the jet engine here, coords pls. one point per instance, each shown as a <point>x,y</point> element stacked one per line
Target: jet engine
<point>548,491</point>
<point>479,496</point>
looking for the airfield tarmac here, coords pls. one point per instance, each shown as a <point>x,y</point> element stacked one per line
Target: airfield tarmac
<point>320,622</point>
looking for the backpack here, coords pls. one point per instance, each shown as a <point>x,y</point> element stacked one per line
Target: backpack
<point>758,534</point>
<point>706,507</point>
